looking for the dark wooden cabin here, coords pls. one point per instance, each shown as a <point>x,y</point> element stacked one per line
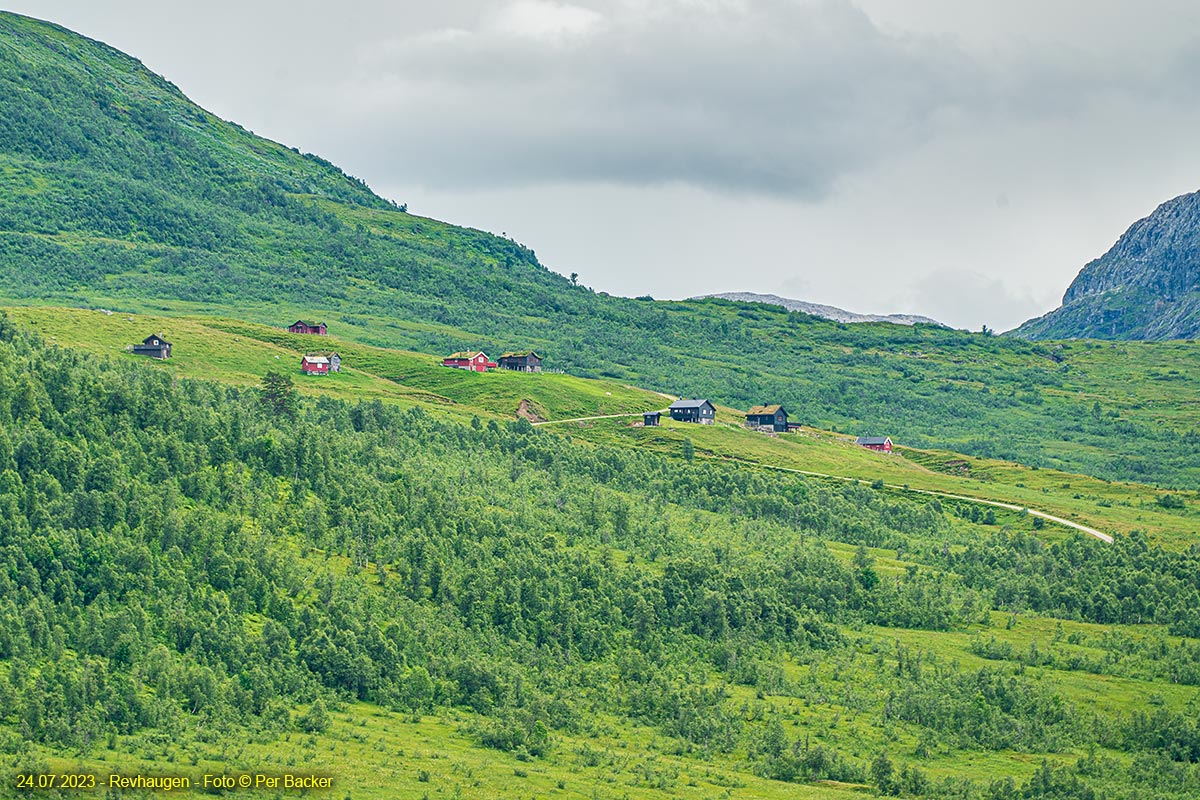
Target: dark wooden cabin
<point>694,410</point>
<point>154,346</point>
<point>650,418</point>
<point>774,417</point>
<point>524,361</point>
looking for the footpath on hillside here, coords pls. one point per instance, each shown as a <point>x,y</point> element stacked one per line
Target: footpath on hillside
<point>1104,537</point>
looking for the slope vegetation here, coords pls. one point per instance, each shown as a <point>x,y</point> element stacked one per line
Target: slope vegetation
<point>190,584</point>
<point>240,353</point>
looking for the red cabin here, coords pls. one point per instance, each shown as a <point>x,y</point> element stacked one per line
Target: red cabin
<point>473,360</point>
<point>303,326</point>
<point>314,365</point>
<point>881,443</point>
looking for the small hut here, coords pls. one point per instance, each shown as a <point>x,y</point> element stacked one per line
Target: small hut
<point>307,326</point>
<point>694,410</point>
<point>882,444</point>
<point>335,361</point>
<point>314,365</point>
<point>154,346</point>
<point>472,360</point>
<point>774,417</point>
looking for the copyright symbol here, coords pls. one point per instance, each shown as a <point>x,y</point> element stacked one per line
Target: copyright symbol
<point>244,781</point>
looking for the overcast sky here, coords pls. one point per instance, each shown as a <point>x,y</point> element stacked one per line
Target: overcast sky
<point>955,158</point>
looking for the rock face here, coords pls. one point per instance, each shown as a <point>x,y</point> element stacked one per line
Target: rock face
<point>818,310</point>
<point>1146,287</point>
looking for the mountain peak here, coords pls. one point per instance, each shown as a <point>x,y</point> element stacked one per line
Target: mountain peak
<point>1147,286</point>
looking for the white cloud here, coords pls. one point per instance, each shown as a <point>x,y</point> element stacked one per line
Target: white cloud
<point>969,299</point>
<point>541,19</point>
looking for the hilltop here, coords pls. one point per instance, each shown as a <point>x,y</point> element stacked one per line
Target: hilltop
<point>1147,286</point>
<point>117,192</point>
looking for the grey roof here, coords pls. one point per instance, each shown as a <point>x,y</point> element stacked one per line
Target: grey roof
<point>872,440</point>
<point>694,403</point>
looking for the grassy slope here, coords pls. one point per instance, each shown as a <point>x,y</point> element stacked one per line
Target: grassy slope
<point>240,353</point>
<point>1109,506</point>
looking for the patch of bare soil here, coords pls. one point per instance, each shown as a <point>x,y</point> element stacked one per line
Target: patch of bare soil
<point>525,411</point>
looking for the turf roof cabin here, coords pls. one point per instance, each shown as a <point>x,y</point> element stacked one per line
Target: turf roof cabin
<point>304,326</point>
<point>694,410</point>
<point>472,360</point>
<point>524,361</point>
<point>774,417</point>
<point>154,346</point>
<point>881,443</point>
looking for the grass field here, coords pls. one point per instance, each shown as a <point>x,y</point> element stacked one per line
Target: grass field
<point>240,353</point>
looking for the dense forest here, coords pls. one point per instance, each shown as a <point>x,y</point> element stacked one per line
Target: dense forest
<point>179,556</point>
<point>118,192</point>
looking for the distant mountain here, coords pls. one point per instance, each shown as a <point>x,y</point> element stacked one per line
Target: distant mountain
<point>825,312</point>
<point>1146,287</point>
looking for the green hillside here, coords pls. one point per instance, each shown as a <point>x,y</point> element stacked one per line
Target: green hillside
<point>414,605</point>
<point>117,192</point>
<point>240,353</point>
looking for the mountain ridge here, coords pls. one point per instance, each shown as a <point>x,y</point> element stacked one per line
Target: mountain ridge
<point>820,310</point>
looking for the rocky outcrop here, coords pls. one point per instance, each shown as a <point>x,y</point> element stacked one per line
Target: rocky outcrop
<point>1146,287</point>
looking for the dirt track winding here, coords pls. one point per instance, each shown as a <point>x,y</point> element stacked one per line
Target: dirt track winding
<point>1104,537</point>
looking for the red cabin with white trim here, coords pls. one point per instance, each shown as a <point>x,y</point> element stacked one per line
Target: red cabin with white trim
<point>475,361</point>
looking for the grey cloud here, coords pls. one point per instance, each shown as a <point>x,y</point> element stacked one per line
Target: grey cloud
<point>775,97</point>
